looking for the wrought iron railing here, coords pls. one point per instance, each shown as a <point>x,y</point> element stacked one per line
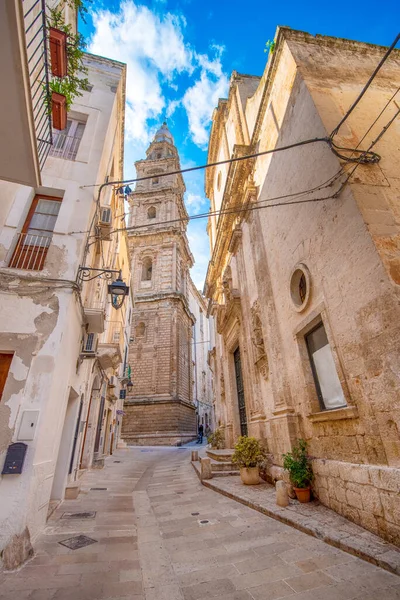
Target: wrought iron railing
<point>38,68</point>
<point>65,146</point>
<point>30,251</point>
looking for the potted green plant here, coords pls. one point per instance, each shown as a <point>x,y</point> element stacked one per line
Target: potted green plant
<point>216,440</point>
<point>249,455</point>
<point>297,464</point>
<point>68,69</point>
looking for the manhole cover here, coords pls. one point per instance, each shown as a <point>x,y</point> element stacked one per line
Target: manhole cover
<point>117,461</point>
<point>195,514</point>
<point>204,522</point>
<point>78,515</point>
<point>79,541</point>
<point>180,492</point>
<point>98,488</point>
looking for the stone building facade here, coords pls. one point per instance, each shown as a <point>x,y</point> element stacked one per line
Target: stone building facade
<point>304,277</point>
<point>61,340</point>
<point>202,343</point>
<point>160,408</point>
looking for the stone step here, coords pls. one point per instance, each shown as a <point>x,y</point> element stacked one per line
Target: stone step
<point>220,455</point>
<point>224,473</point>
<point>217,465</point>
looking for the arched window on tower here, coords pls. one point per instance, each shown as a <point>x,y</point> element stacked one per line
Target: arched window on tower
<point>147,269</point>
<point>152,213</point>
<point>140,330</point>
<point>155,181</point>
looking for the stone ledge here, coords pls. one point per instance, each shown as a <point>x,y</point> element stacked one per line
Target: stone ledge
<point>313,519</point>
<point>347,412</point>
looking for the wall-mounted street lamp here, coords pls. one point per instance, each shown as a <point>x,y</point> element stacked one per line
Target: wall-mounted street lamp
<point>117,289</point>
<point>129,385</point>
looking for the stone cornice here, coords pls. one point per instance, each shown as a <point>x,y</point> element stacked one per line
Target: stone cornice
<point>157,297</point>
<point>170,232</point>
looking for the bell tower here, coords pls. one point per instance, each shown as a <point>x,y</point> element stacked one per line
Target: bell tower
<point>159,410</point>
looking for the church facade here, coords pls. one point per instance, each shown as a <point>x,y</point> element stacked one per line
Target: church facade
<point>304,277</point>
<point>160,409</point>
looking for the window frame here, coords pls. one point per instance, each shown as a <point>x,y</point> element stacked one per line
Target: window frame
<point>314,413</point>
<point>65,149</point>
<point>21,247</point>
<point>316,378</point>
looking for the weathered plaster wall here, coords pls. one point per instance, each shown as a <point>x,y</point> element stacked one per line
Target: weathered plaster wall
<point>42,321</point>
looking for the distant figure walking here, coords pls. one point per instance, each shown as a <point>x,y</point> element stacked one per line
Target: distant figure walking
<point>201,431</point>
<point>207,430</point>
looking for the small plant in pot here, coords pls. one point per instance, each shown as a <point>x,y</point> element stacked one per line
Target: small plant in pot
<point>297,464</point>
<point>216,440</point>
<point>249,455</point>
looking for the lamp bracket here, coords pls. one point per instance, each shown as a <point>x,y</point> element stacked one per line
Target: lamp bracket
<point>86,274</point>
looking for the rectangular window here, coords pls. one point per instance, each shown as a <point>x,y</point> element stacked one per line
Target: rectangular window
<point>329,389</point>
<point>37,232</point>
<point>66,143</point>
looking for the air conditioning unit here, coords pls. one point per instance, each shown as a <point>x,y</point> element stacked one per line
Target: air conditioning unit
<point>112,382</point>
<point>90,344</point>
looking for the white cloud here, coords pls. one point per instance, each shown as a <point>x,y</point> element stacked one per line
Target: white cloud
<point>195,203</point>
<point>156,53</point>
<point>200,246</point>
<point>154,50</point>
<point>200,99</point>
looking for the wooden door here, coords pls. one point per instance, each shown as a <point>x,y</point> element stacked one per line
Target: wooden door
<point>5,363</point>
<point>240,392</point>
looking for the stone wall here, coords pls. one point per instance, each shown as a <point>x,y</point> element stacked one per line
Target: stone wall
<point>366,494</point>
<point>158,423</point>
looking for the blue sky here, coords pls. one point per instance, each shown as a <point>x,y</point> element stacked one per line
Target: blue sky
<point>181,53</point>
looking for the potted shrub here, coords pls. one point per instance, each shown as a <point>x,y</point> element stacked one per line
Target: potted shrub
<point>68,68</point>
<point>297,464</point>
<point>249,456</point>
<point>216,440</point>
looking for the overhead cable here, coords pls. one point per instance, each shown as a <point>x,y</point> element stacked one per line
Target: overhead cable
<point>365,88</point>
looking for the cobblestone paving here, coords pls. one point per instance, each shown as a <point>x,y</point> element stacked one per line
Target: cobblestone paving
<point>160,535</point>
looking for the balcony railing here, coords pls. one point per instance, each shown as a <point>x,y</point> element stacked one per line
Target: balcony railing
<point>30,251</point>
<point>65,146</point>
<point>38,67</point>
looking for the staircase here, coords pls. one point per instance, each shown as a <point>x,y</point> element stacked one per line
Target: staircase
<point>221,462</point>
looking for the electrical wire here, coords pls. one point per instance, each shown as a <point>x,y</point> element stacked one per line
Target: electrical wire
<point>365,88</point>
<point>378,117</point>
<point>258,206</point>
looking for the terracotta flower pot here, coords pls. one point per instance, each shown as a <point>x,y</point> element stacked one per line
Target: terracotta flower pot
<point>303,494</point>
<point>59,110</point>
<point>250,475</point>
<point>58,52</point>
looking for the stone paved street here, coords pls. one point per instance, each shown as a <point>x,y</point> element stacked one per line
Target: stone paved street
<point>160,535</point>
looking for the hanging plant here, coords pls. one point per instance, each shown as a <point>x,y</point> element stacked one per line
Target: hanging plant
<point>75,81</point>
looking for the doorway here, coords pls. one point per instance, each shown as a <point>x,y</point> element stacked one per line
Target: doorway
<point>240,392</point>
<point>65,447</point>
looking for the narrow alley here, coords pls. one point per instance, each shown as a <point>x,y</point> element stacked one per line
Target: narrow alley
<point>144,528</point>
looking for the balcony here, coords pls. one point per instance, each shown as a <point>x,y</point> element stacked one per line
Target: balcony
<point>25,129</point>
<point>111,346</point>
<point>30,252</point>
